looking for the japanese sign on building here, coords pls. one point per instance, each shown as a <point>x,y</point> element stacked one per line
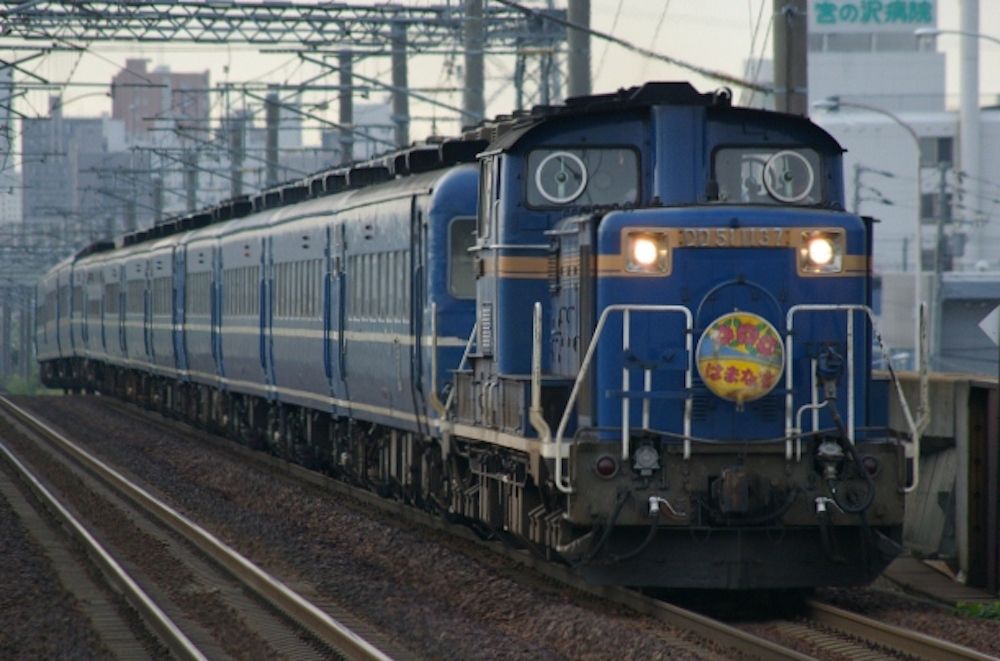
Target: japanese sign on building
<point>871,15</point>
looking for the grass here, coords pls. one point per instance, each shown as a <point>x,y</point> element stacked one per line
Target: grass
<point>982,611</point>
<point>17,385</point>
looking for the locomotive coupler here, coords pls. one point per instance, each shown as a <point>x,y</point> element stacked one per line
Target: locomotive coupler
<point>741,490</point>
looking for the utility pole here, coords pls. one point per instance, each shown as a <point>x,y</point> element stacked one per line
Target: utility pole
<point>401,87</point>
<point>578,44</point>
<point>346,62</point>
<point>791,81</point>
<point>271,118</point>
<point>969,130</point>
<point>474,97</point>
<point>859,187</point>
<point>157,203</point>
<point>190,159</point>
<point>942,259</point>
<point>237,150</point>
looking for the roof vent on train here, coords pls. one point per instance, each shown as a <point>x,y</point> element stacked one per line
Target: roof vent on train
<point>195,220</point>
<point>334,182</point>
<point>417,159</point>
<point>366,175</point>
<point>96,247</point>
<point>294,192</point>
<point>461,151</point>
<point>234,207</point>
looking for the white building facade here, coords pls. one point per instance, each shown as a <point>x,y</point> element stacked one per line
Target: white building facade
<point>904,161</point>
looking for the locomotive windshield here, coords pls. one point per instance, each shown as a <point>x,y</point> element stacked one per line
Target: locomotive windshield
<point>768,175</point>
<point>602,176</point>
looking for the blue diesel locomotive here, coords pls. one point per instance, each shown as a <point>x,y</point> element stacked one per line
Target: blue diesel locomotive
<point>631,333</point>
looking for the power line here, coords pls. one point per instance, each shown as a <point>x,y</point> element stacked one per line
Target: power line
<point>708,73</point>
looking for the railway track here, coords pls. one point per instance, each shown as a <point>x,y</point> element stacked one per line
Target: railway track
<point>291,625</point>
<point>879,635</point>
<point>823,631</point>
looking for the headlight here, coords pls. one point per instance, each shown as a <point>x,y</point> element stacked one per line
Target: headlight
<point>821,252</point>
<point>647,252</point>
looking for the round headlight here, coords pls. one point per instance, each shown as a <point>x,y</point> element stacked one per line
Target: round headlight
<point>645,252</point>
<point>821,251</point>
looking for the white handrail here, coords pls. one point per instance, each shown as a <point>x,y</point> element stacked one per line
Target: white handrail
<point>585,368</point>
<point>916,426</point>
<point>535,412</point>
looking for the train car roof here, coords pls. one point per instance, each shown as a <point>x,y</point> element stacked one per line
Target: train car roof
<point>434,154</point>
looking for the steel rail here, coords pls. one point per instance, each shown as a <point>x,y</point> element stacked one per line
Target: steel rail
<point>327,629</point>
<point>909,642</point>
<point>708,628</point>
<point>154,617</point>
<point>705,627</point>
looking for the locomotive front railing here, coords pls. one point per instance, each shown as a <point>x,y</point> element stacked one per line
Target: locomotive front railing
<point>793,418</point>
<point>542,428</point>
<point>793,429</point>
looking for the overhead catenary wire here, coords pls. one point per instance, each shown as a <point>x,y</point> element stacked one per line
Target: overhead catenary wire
<point>708,73</point>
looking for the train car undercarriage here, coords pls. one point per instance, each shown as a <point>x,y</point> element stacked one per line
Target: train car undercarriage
<point>503,494</point>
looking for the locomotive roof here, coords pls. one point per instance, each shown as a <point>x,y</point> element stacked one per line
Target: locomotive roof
<point>507,130</point>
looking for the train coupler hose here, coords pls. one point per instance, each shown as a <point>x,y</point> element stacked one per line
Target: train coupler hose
<point>655,503</point>
<point>823,517</point>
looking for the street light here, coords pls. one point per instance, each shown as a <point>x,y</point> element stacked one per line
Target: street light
<point>834,103</point>
<point>933,32</point>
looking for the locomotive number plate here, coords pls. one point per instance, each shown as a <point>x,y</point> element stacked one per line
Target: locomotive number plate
<point>733,237</point>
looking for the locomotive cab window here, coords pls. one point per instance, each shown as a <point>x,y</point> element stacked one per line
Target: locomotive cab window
<point>461,275</point>
<point>489,194</point>
<point>755,175</point>
<point>598,176</point>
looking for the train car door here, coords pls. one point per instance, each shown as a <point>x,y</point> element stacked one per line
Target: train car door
<point>147,312</point>
<point>75,308</point>
<point>179,300</point>
<point>418,305</point>
<point>215,311</point>
<point>60,312</point>
<point>85,320</point>
<point>103,312</point>
<point>342,312</point>
<point>122,342</point>
<point>334,312</point>
<point>267,316</point>
<point>86,276</point>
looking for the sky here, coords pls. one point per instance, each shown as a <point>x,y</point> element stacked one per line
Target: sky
<point>718,35</point>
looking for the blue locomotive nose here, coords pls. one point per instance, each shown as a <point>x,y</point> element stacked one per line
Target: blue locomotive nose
<point>708,299</point>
